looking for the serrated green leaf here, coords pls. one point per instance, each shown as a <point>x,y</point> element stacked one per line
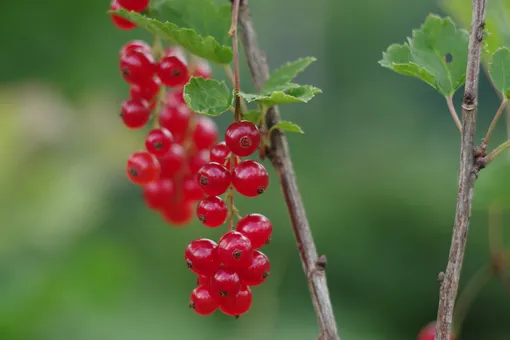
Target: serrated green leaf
<point>293,94</point>
<point>206,47</point>
<point>287,126</point>
<point>500,70</point>
<point>252,116</point>
<point>208,96</point>
<point>287,73</point>
<point>436,54</point>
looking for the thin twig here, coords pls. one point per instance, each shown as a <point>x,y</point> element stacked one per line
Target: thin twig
<point>494,122</point>
<point>230,75</point>
<point>313,266</point>
<point>235,47</point>
<point>453,112</point>
<point>494,153</point>
<point>467,176</point>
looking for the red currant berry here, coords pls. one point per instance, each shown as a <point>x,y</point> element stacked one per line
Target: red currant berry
<point>203,301</point>
<point>175,51</point>
<point>175,98</point>
<point>198,160</point>
<point>159,193</point>
<point>243,138</point>
<point>429,332</point>
<point>258,270</point>
<point>173,161</point>
<point>257,228</point>
<point>202,69</point>
<point>137,67</point>
<point>204,280</point>
<point>225,282</point>
<point>134,5</point>
<point>176,119</point>
<point>235,250</point>
<point>214,179</point>
<point>205,133</point>
<point>238,304</point>
<point>135,45</point>
<point>135,113</point>
<point>172,71</point>
<point>148,90</point>
<point>219,153</point>
<point>191,191</point>
<point>158,142</point>
<point>119,21</point>
<point>250,178</point>
<point>212,211</point>
<point>179,214</point>
<point>142,168</point>
<point>201,257</point>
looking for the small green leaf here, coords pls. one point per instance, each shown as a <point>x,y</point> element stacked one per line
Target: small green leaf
<point>436,54</point>
<point>206,47</point>
<point>252,116</point>
<point>287,126</point>
<point>208,96</point>
<point>287,73</point>
<point>286,95</point>
<point>500,70</point>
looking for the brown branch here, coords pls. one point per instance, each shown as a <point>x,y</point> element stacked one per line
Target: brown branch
<point>313,266</point>
<point>467,176</point>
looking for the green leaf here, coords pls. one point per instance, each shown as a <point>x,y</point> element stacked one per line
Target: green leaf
<point>500,71</point>
<point>252,116</point>
<point>287,73</point>
<point>208,96</point>
<point>287,126</point>
<point>436,54</point>
<point>286,95</point>
<point>206,47</point>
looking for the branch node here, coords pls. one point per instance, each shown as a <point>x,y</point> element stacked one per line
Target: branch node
<point>321,262</point>
<point>440,277</point>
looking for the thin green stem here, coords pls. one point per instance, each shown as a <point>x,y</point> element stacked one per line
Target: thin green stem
<point>494,153</point>
<point>235,47</point>
<point>453,112</point>
<point>495,121</point>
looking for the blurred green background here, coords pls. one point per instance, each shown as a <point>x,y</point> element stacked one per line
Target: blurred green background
<point>81,257</point>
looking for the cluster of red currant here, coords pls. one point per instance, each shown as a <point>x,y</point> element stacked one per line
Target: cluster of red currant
<point>130,5</point>
<point>227,269</point>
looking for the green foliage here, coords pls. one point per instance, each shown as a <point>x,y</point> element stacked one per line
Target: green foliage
<point>287,126</point>
<point>206,47</point>
<point>500,71</point>
<point>284,95</point>
<point>285,74</point>
<point>208,96</point>
<point>252,116</point>
<point>436,54</point>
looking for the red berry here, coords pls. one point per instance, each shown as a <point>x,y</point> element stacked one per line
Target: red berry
<point>173,161</point>
<point>243,138</point>
<point>205,133</point>
<point>175,98</point>
<point>159,193</point>
<point>175,51</point>
<point>212,211</point>
<point>203,280</point>
<point>148,90</point>
<point>257,228</point>
<point>179,214</point>
<point>198,160</point>
<point>176,119</point>
<point>429,332</point>
<point>142,168</point>
<point>258,270</point>
<point>250,178</point>
<point>235,250</point>
<point>201,257</point>
<point>134,5</point>
<point>203,301</point>
<point>137,66</point>
<point>202,69</point>
<point>135,45</point>
<point>191,191</point>
<point>159,142</point>
<point>135,113</point>
<point>238,304</point>
<point>172,71</point>
<point>219,153</point>
<point>214,179</point>
<point>119,21</point>
<point>225,282</point>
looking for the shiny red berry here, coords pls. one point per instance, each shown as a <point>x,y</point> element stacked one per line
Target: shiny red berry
<point>135,113</point>
<point>178,214</point>
<point>191,191</point>
<point>173,161</point>
<point>242,138</point>
<point>257,228</point>
<point>201,257</point>
<point>172,71</point>
<point>135,45</point>
<point>159,193</point>
<point>137,66</point>
<point>175,98</point>
<point>148,90</point>
<point>176,119</point>
<point>250,178</point>
<point>134,5</point>
<point>237,305</point>
<point>212,211</point>
<point>158,142</point>
<point>198,160</point>
<point>225,282</point>
<point>429,332</point>
<point>235,250</point>
<point>219,153</point>
<point>175,51</point>
<point>205,134</point>
<point>213,178</point>
<point>119,21</point>
<point>203,301</point>
<point>257,272</point>
<point>203,280</point>
<point>142,168</point>
<point>202,69</point>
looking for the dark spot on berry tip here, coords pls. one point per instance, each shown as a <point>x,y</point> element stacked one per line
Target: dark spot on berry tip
<point>188,263</point>
<point>176,72</point>
<point>448,58</point>
<point>133,172</point>
<point>237,254</point>
<point>222,293</point>
<point>202,218</point>
<point>198,281</point>
<point>265,274</point>
<point>158,145</point>
<point>203,180</point>
<point>268,240</point>
<point>260,190</point>
<point>245,142</point>
<point>125,72</point>
<point>237,317</point>
<point>121,114</point>
<point>191,305</point>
